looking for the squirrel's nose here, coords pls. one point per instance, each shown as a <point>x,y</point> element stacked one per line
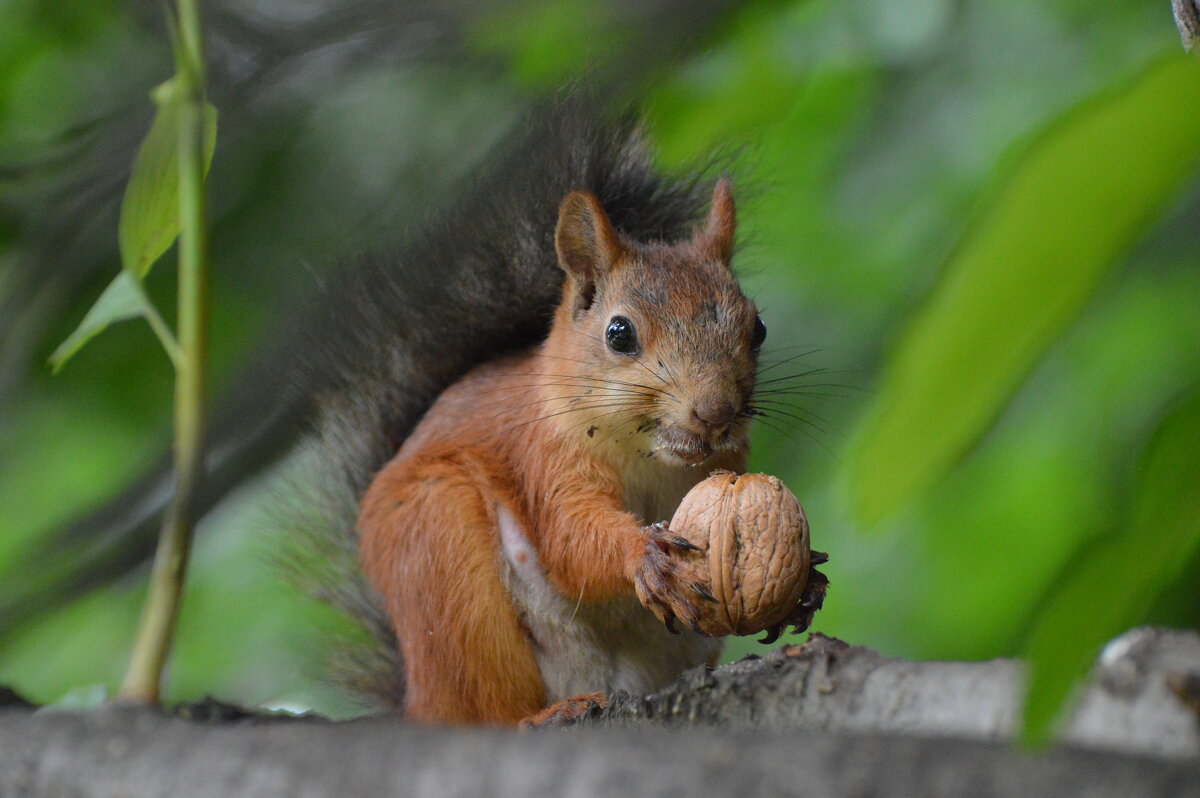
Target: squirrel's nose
<point>714,416</point>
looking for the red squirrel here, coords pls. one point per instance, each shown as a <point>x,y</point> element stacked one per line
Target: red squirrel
<point>516,538</point>
<point>521,385</point>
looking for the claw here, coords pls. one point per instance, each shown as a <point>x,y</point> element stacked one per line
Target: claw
<point>681,543</point>
<point>657,581</point>
<point>660,532</point>
<point>772,634</point>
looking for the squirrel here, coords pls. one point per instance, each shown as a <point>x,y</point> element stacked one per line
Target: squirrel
<point>501,411</point>
<point>576,357</point>
<point>516,537</point>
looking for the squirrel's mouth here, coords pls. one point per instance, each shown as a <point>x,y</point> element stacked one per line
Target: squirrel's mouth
<point>680,446</point>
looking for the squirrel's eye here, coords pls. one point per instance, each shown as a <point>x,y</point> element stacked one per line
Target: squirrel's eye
<point>621,336</point>
<point>760,334</point>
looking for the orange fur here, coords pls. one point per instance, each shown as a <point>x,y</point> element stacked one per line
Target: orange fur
<point>466,658</point>
<point>555,439</point>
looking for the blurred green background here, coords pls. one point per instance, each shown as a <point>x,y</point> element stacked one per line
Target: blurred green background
<point>885,154</point>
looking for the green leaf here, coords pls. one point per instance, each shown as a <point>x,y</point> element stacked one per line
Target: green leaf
<point>1083,192</point>
<point>150,210</point>
<point>122,300</point>
<point>1116,583</point>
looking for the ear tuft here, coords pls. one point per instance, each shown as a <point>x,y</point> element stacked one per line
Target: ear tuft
<point>586,243</point>
<point>717,236</point>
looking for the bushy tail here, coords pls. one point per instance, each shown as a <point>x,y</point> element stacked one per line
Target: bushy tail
<point>476,280</point>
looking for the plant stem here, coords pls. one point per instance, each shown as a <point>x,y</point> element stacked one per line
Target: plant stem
<point>160,328</point>
<point>143,680</point>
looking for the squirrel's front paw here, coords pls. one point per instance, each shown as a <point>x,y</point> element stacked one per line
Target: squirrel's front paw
<point>660,585</point>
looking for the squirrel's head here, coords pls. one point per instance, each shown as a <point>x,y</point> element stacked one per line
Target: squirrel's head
<point>656,343</point>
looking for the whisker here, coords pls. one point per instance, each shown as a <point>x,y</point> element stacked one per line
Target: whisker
<point>671,374</point>
<point>774,349</point>
<point>508,406</point>
<point>613,431</point>
<point>600,381</point>
<point>574,409</point>
<point>599,416</point>
<point>636,359</point>
<point>773,402</point>
<point>796,376</point>
<point>770,424</point>
<point>621,382</point>
<point>784,381</point>
<point>621,405</point>
<point>572,399</point>
<point>596,401</point>
<point>775,411</point>
<point>590,390</point>
<point>805,390</point>
<point>787,360</point>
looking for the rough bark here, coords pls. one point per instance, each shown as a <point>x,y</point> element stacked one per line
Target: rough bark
<point>819,719</point>
<point>1137,699</point>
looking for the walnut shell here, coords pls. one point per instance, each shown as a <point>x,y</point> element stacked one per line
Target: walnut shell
<point>754,550</point>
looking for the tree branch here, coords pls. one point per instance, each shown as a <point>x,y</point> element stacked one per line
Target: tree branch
<point>821,719</point>
<point>1132,703</point>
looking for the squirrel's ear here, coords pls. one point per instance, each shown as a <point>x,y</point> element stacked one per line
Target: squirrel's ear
<point>586,243</point>
<point>717,236</point>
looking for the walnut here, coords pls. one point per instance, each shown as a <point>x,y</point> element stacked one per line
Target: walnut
<point>754,555</point>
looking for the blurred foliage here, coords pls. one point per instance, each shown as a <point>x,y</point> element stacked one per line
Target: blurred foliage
<point>873,145</point>
<point>1021,274</point>
<point>1144,552</point>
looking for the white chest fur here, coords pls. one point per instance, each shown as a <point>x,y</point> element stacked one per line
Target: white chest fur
<point>653,491</point>
<point>583,648</point>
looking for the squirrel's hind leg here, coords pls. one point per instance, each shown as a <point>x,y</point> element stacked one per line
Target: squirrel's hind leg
<point>429,544</point>
<point>566,712</point>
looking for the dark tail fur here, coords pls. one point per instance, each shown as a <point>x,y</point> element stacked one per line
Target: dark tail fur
<point>478,279</point>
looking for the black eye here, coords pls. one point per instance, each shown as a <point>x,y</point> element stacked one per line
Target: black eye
<point>760,334</point>
<point>621,336</point>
